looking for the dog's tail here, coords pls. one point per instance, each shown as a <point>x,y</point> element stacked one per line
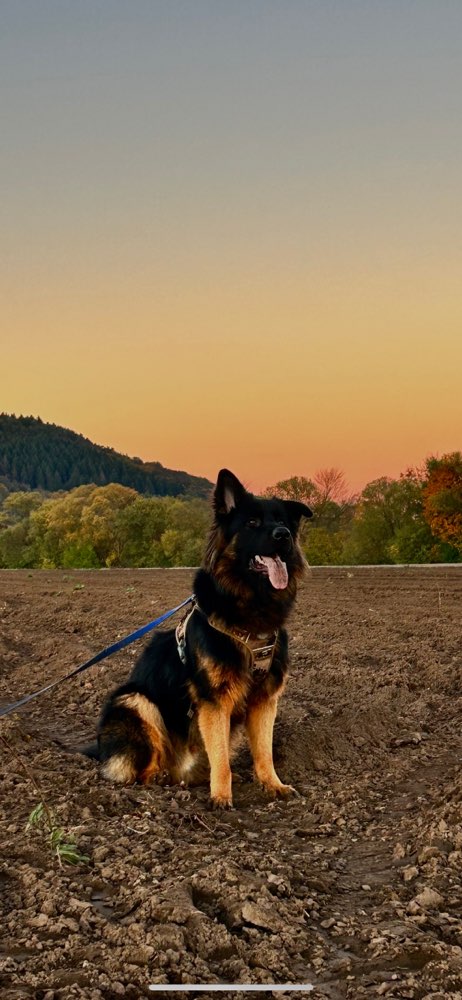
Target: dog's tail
<point>91,750</point>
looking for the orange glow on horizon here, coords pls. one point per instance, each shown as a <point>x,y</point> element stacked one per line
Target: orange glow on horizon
<point>271,383</point>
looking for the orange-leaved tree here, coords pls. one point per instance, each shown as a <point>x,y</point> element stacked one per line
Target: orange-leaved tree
<point>443,498</point>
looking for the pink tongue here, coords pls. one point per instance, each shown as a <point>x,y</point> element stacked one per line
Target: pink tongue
<point>277,571</point>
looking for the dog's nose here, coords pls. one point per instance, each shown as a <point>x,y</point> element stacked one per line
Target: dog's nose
<point>281,533</point>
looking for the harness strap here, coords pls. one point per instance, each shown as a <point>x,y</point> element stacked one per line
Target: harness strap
<point>261,656</point>
<point>180,634</point>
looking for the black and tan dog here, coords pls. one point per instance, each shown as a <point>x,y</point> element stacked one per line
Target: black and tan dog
<point>194,688</point>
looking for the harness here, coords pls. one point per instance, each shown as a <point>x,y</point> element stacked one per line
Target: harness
<point>260,656</point>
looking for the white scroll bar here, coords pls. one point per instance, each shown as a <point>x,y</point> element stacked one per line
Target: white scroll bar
<point>238,987</point>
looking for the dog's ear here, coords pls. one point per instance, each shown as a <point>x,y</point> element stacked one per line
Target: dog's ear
<point>297,510</point>
<point>229,492</point>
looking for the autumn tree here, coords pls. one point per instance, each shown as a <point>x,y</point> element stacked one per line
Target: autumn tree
<point>17,507</point>
<point>443,498</point>
<point>327,486</point>
<point>323,539</point>
<point>331,485</point>
<point>296,488</point>
<point>114,526</point>
<point>16,539</point>
<point>81,528</point>
<point>142,524</point>
<point>389,526</point>
<point>100,525</point>
<point>55,529</point>
<point>184,540</point>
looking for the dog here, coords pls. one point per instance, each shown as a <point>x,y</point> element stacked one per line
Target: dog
<point>224,667</point>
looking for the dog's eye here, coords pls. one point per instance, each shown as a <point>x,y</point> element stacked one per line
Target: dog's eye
<point>254,522</point>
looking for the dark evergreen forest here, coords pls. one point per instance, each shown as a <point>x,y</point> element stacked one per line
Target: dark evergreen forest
<point>38,456</point>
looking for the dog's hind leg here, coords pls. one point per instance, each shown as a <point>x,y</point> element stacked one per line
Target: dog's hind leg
<point>260,724</point>
<point>133,742</point>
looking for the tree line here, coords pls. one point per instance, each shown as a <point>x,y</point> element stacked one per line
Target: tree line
<point>416,518</point>
<point>41,456</point>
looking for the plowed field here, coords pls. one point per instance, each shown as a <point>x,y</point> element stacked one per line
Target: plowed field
<point>355,886</point>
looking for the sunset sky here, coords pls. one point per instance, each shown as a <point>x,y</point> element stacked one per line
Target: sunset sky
<point>232,230</point>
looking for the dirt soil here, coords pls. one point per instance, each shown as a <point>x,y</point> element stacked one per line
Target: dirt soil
<point>355,886</point>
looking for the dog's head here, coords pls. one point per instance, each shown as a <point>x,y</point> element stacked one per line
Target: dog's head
<point>254,540</point>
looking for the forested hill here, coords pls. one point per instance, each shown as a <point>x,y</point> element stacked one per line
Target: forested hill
<point>35,455</point>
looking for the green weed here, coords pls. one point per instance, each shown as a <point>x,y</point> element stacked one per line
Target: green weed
<point>63,845</point>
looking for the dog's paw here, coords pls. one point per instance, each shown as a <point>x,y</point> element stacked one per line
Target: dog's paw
<point>286,791</point>
<point>280,791</point>
<point>220,802</point>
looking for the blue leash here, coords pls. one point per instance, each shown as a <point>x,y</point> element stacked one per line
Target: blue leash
<point>7,709</point>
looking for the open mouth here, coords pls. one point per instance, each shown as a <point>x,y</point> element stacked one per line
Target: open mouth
<point>274,568</point>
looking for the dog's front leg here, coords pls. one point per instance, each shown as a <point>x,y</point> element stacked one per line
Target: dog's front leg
<point>214,725</point>
<point>260,724</point>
